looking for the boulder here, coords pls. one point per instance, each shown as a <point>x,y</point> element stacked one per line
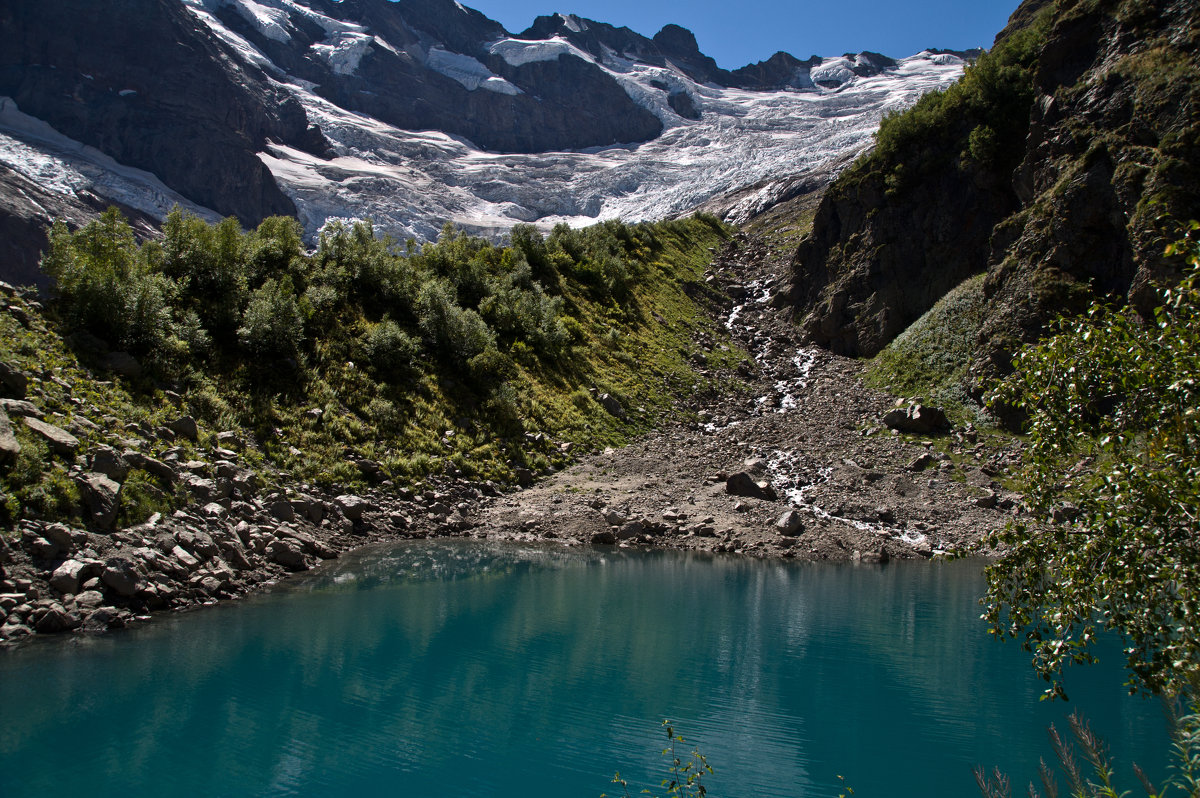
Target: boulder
<point>198,543</point>
<point>101,496</point>
<point>611,404</point>
<point>56,619</point>
<point>353,507</point>
<point>744,484</point>
<point>288,554</point>
<point>68,576</point>
<point>109,462</point>
<point>9,447</point>
<point>917,419</point>
<point>922,462</point>
<point>13,382</point>
<point>790,524</point>
<point>20,407</point>
<point>121,576</point>
<point>155,468</point>
<point>604,537</point>
<point>59,440</point>
<point>630,530</point>
<point>282,510</point>
<point>185,427</point>
<point>185,558</point>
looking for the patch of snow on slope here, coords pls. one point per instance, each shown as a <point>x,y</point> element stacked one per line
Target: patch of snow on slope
<point>573,23</point>
<point>468,71</point>
<point>833,70</point>
<point>518,52</point>
<point>344,51</point>
<point>410,182</point>
<point>271,22</point>
<point>37,151</point>
<point>249,53</point>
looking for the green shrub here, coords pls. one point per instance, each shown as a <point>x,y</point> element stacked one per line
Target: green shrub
<point>272,326</point>
<point>389,350</point>
<point>1114,432</point>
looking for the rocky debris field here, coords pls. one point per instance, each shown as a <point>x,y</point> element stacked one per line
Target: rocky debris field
<point>811,464</point>
<point>808,463</point>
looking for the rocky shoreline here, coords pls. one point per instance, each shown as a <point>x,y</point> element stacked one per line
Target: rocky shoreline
<point>806,465</point>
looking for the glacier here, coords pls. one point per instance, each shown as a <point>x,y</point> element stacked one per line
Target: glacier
<point>411,182</point>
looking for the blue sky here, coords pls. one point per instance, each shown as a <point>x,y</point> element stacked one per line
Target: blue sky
<point>738,32</point>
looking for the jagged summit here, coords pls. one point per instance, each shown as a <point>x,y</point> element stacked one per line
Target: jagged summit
<point>412,113</point>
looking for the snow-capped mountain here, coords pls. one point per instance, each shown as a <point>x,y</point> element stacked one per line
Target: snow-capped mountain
<point>414,113</point>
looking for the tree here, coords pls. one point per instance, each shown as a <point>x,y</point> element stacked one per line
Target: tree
<point>1113,407</point>
<point>272,326</point>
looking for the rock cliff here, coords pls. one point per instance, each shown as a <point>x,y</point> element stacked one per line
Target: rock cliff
<point>1049,167</point>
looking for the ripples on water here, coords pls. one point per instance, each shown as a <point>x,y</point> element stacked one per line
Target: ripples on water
<point>446,668</point>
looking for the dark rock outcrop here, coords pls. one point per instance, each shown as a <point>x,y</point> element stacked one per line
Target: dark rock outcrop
<point>1048,169</point>
<point>141,81</point>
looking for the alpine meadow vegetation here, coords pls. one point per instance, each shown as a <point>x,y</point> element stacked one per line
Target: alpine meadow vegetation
<point>461,356</point>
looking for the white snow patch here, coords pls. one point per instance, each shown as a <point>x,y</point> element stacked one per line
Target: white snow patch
<point>573,23</point>
<point>127,92</point>
<point>518,52</point>
<point>344,51</point>
<point>271,22</point>
<point>833,70</point>
<point>34,149</point>
<point>468,71</point>
<point>411,182</point>
<point>946,59</point>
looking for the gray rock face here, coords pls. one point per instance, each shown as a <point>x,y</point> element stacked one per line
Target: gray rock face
<point>288,554</point>
<point>109,462</point>
<point>59,440</point>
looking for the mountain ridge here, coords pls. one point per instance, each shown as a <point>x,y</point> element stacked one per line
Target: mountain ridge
<point>416,114</point>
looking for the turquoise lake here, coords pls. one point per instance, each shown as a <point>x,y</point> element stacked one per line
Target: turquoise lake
<point>474,669</point>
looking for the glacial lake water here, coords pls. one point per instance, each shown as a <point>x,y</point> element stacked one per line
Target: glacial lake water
<point>473,669</point>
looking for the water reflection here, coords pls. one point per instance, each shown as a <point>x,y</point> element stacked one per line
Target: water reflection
<point>488,669</point>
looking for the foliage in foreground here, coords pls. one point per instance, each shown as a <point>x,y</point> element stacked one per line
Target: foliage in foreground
<point>685,778</point>
<point>1094,777</point>
<point>1113,407</point>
